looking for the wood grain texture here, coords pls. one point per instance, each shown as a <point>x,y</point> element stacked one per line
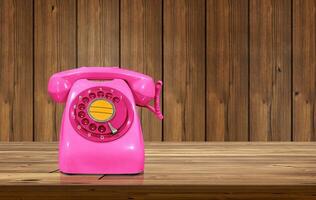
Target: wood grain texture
<point>281,126</point>
<point>98,33</point>
<point>141,50</point>
<point>172,170</point>
<point>184,70</point>
<point>16,70</point>
<point>270,70</point>
<point>227,70</point>
<point>304,69</point>
<point>55,50</point>
<point>233,70</point>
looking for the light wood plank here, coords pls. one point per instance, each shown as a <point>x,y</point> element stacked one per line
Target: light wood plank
<point>304,69</point>
<point>184,70</point>
<point>194,170</point>
<point>98,33</point>
<point>172,163</point>
<point>55,50</point>
<point>227,70</point>
<point>270,70</point>
<point>16,70</point>
<point>141,50</point>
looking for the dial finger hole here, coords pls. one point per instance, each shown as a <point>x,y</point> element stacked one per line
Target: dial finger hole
<point>108,95</point>
<point>100,94</point>
<point>92,127</point>
<point>81,106</point>
<point>81,114</point>
<point>92,95</point>
<point>85,121</point>
<point>116,99</point>
<point>101,129</point>
<point>85,100</point>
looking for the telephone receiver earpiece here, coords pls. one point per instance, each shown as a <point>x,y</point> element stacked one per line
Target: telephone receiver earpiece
<point>58,88</point>
<point>143,87</point>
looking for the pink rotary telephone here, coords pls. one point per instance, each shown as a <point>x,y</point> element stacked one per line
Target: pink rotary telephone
<point>100,131</point>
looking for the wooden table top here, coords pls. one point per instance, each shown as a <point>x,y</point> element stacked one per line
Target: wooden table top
<point>203,170</point>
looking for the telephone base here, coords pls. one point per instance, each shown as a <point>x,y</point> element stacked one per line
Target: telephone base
<point>121,155</point>
<point>115,161</point>
<point>124,174</point>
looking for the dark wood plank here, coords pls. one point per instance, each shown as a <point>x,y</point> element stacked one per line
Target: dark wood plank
<point>195,170</point>
<point>281,125</point>
<point>261,69</point>
<point>157,193</point>
<point>16,70</point>
<point>184,70</point>
<point>270,70</point>
<point>304,69</point>
<point>98,32</point>
<point>227,70</point>
<point>55,50</point>
<point>141,50</point>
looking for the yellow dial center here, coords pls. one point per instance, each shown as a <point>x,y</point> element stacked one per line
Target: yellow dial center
<point>101,110</point>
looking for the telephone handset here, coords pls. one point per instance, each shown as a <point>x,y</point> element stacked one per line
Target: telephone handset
<point>100,130</point>
<point>142,86</point>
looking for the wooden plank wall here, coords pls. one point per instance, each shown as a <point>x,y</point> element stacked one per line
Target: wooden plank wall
<point>233,70</point>
<point>270,70</point>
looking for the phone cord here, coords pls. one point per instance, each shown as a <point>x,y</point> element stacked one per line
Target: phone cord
<point>156,108</point>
